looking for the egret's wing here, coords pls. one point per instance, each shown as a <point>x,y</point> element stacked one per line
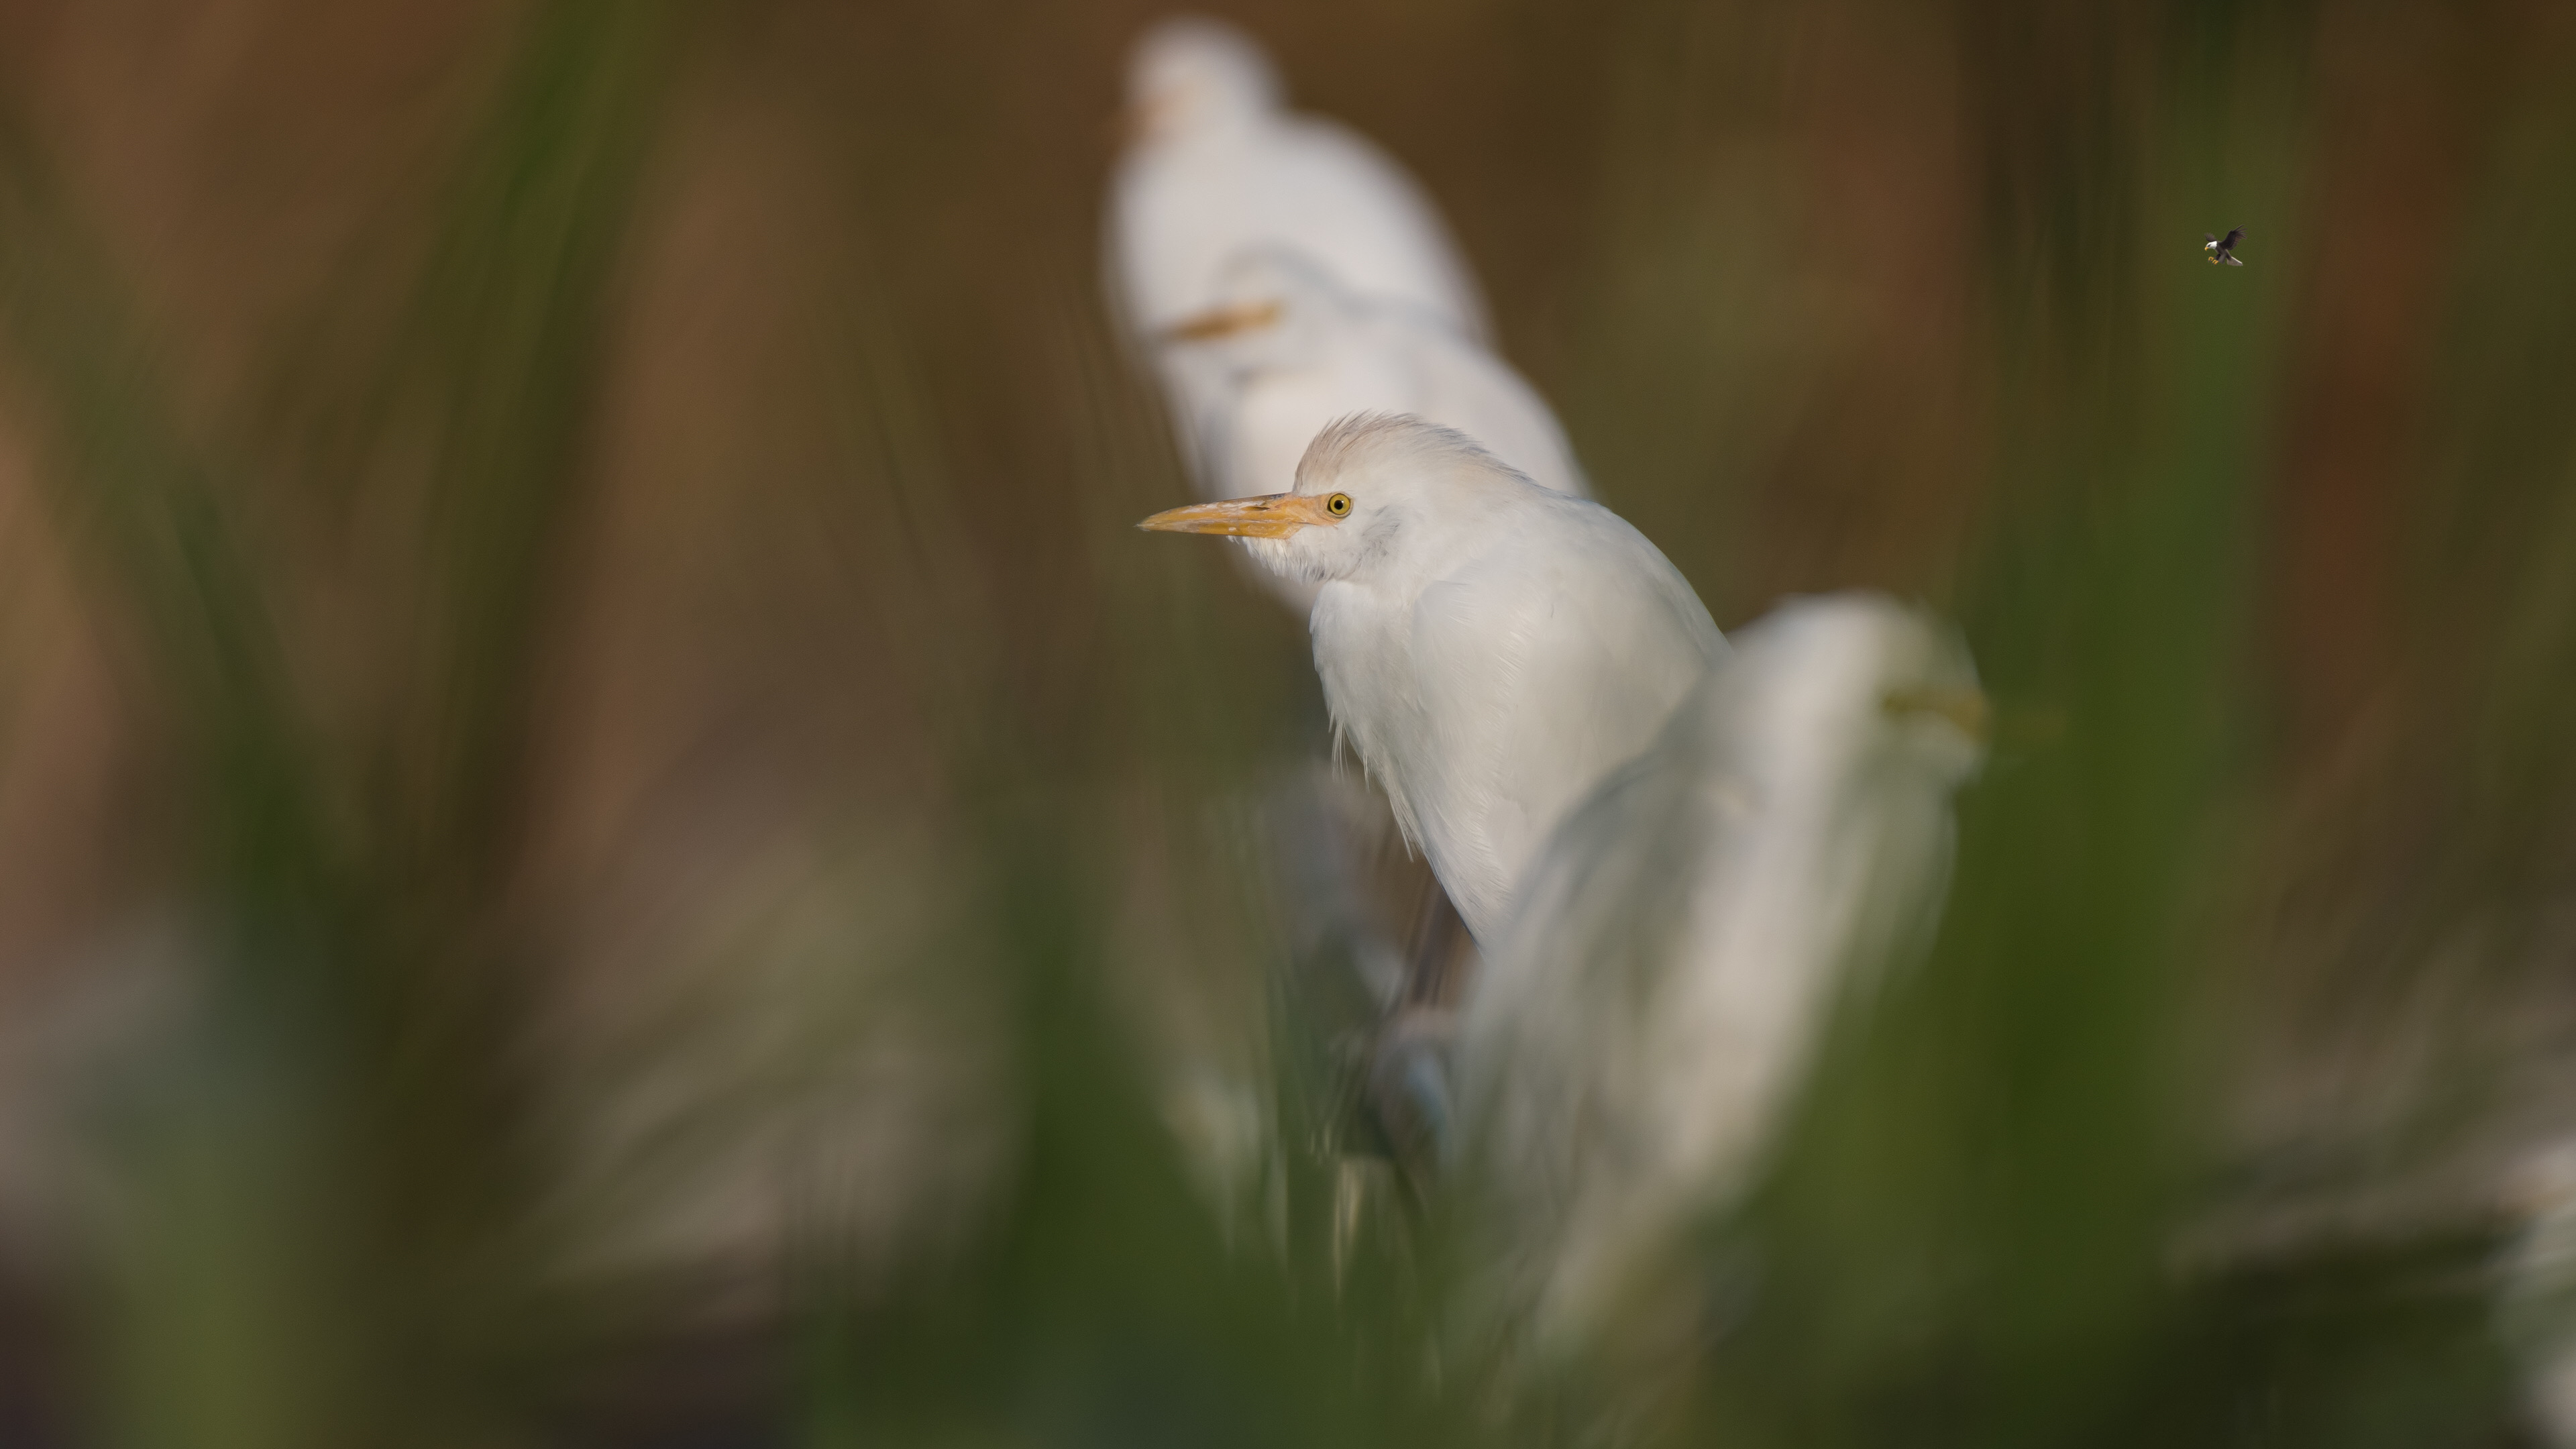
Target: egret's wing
<point>1543,667</point>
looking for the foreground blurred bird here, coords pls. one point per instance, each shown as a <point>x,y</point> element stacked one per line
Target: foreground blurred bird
<point>2536,1285</point>
<point>2222,250</point>
<point>1682,938</point>
<point>1215,164</point>
<point>1491,648</point>
<point>1287,350</point>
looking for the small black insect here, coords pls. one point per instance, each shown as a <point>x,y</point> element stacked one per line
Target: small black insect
<point>2222,250</point>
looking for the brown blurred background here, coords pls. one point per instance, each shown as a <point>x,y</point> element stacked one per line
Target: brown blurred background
<point>648,485</point>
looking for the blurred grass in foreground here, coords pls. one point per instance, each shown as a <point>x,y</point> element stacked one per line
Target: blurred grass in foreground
<point>698,851</point>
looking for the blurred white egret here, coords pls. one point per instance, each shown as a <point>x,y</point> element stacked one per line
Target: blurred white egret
<point>2536,1288</point>
<point>1491,648</point>
<point>1215,164</point>
<point>1683,935</point>
<point>1286,350</point>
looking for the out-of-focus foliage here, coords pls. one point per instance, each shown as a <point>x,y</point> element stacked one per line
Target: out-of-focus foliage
<point>607,835</point>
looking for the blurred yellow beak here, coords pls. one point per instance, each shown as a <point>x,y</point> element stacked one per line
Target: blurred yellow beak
<point>1223,322</point>
<point>1968,709</point>
<point>1273,515</point>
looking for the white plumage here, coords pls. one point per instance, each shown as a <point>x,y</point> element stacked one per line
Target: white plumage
<point>1286,350</point>
<point>2535,1295</point>
<point>1682,938</point>
<point>1490,648</point>
<point>1215,164</point>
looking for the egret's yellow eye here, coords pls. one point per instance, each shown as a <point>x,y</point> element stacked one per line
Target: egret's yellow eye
<point>1339,505</point>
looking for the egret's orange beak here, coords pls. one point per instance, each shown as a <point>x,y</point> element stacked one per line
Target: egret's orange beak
<point>1219,322</point>
<point>1273,515</point>
<point>1966,708</point>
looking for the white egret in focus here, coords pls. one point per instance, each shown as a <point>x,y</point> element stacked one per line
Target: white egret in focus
<point>1286,350</point>
<point>1215,164</point>
<point>1686,931</point>
<point>1491,648</point>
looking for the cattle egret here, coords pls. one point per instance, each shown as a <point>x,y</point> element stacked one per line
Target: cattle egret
<point>1286,350</point>
<point>1683,935</point>
<point>1490,648</point>
<point>1214,164</point>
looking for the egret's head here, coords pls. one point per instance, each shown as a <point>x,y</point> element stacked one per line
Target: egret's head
<point>1372,488</point>
<point>1271,309</point>
<point>1863,689</point>
<point>1191,74</point>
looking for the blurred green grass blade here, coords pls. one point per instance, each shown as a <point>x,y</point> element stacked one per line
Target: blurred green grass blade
<point>149,512</point>
<point>1965,1241</point>
<point>503,352</point>
<point>357,1069</point>
<point>2496,607</point>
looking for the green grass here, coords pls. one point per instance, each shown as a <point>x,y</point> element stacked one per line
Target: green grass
<point>777,322</point>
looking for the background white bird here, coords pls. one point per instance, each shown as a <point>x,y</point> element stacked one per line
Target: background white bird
<point>1679,943</point>
<point>1489,647</point>
<point>1215,164</point>
<point>1285,350</point>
